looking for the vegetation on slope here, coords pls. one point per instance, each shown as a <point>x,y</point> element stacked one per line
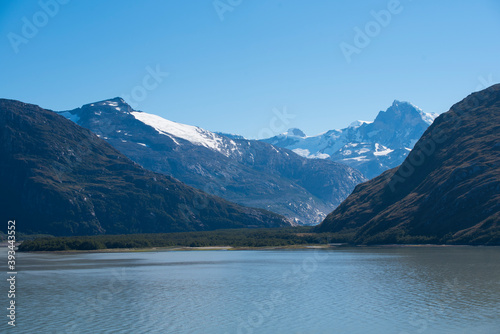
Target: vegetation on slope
<point>234,238</point>
<point>446,191</point>
<point>59,178</point>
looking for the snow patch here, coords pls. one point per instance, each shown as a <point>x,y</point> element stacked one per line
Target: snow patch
<point>385,152</point>
<point>360,158</point>
<point>363,150</point>
<point>306,154</point>
<point>381,150</point>
<point>427,117</point>
<point>193,134</point>
<point>302,152</point>
<point>319,156</point>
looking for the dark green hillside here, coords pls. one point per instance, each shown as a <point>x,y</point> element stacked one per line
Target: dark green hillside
<point>235,238</point>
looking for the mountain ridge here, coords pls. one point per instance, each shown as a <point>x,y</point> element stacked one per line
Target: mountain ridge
<point>61,179</point>
<point>371,147</point>
<point>446,191</point>
<point>248,172</point>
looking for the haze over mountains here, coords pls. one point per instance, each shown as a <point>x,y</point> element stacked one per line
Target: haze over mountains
<point>248,172</point>
<point>61,179</point>
<point>370,147</point>
<point>446,191</point>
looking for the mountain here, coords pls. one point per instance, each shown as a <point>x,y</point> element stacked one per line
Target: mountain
<point>370,147</point>
<point>230,135</point>
<point>446,191</point>
<point>248,172</point>
<point>61,179</point>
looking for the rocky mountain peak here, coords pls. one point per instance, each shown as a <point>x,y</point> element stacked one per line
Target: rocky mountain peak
<point>113,105</point>
<point>371,147</point>
<point>247,172</point>
<point>399,112</point>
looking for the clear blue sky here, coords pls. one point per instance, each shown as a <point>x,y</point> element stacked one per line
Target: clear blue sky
<point>228,75</point>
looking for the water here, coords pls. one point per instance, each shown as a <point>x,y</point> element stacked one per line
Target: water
<point>372,290</point>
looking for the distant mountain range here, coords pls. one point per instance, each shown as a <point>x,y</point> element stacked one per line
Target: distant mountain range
<point>370,147</point>
<point>247,172</point>
<point>61,179</point>
<point>446,191</point>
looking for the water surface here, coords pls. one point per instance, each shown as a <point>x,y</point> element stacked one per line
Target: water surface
<point>362,290</point>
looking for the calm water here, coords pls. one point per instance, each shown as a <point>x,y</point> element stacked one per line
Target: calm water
<point>372,290</point>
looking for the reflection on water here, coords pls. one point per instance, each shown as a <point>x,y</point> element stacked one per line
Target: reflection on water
<point>367,290</point>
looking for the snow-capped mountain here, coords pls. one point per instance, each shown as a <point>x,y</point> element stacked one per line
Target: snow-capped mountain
<point>370,147</point>
<point>59,178</point>
<point>247,172</point>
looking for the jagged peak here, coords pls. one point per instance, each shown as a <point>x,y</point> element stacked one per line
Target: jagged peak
<point>114,102</point>
<point>400,109</point>
<point>396,103</point>
<point>403,105</point>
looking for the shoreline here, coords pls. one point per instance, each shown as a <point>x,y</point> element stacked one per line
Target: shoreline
<point>336,246</point>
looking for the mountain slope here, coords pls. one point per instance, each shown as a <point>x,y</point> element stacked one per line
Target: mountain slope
<point>370,147</point>
<point>61,179</point>
<point>247,172</point>
<point>447,189</point>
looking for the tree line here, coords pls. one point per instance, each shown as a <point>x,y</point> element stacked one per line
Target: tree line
<point>233,237</point>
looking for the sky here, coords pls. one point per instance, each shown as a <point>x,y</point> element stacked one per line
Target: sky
<point>254,68</point>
